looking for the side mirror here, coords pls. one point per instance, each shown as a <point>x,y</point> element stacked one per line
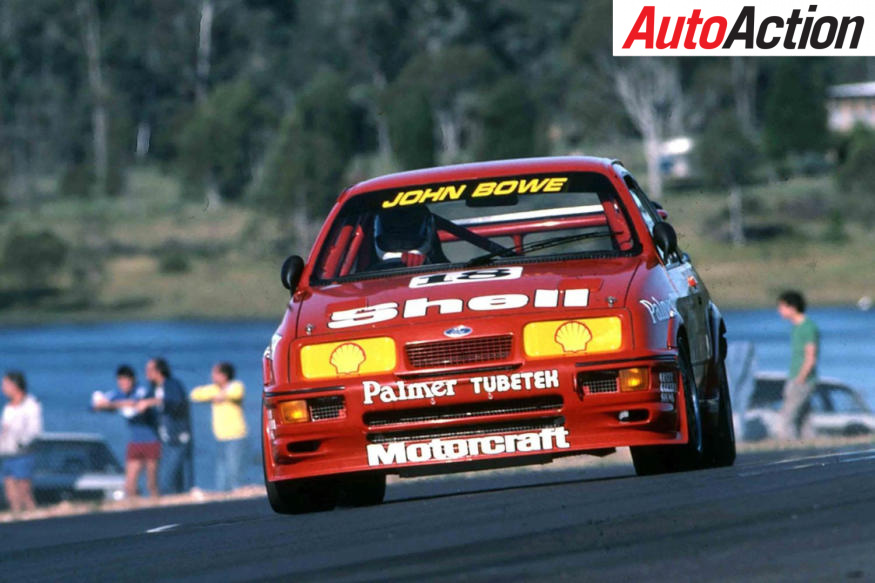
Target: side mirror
<point>291,272</point>
<point>665,238</point>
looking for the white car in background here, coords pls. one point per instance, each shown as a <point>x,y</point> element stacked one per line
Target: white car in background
<point>74,466</point>
<point>834,409</point>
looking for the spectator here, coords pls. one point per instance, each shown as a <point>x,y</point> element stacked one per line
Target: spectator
<point>805,345</point>
<point>174,428</point>
<point>135,403</point>
<point>21,422</point>
<point>229,426</point>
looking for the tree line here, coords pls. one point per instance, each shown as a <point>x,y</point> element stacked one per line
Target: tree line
<point>280,103</point>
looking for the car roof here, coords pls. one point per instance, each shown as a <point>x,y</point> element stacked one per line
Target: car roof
<point>770,375</point>
<point>475,170</point>
<point>71,436</point>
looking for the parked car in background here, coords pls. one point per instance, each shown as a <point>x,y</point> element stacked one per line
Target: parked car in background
<point>75,466</point>
<point>834,409</point>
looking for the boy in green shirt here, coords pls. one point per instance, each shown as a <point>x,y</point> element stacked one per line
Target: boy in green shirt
<point>805,345</point>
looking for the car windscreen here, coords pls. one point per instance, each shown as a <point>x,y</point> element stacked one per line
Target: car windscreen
<point>477,222</point>
<point>842,400</point>
<point>767,394</point>
<point>73,457</point>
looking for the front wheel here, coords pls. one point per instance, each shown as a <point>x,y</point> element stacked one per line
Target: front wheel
<point>363,490</point>
<point>660,459</point>
<point>856,430</point>
<point>297,496</point>
<point>302,496</point>
<point>720,437</point>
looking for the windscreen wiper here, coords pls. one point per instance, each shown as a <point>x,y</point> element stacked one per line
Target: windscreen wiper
<point>534,246</point>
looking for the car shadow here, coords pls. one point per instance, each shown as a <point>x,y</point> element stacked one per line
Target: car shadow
<point>450,487</point>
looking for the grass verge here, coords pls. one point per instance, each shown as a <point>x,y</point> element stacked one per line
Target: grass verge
<point>163,257</point>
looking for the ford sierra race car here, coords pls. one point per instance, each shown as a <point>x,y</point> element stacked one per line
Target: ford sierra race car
<point>488,315</point>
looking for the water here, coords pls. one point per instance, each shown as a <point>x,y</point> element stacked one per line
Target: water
<point>66,363</point>
<point>847,343</point>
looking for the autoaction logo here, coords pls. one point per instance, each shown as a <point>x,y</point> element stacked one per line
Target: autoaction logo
<point>743,28</point>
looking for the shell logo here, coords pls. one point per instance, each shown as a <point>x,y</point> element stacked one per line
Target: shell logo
<point>573,337</point>
<point>347,358</point>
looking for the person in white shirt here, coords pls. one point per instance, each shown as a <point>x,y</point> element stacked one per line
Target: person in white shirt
<point>21,422</point>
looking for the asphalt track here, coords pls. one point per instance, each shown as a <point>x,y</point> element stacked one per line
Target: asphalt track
<point>773,517</point>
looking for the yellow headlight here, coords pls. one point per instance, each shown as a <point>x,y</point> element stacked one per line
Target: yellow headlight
<point>570,337</point>
<point>348,359</point>
<point>294,412</point>
<point>634,379</point>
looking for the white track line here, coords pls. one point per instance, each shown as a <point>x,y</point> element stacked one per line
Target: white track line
<point>858,459</point>
<point>163,528</point>
<point>799,463</point>
<point>821,456</point>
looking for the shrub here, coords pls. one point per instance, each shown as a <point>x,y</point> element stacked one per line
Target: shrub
<point>835,228</point>
<point>727,157</point>
<point>221,140</point>
<point>34,259</point>
<point>411,127</point>
<point>173,258</point>
<point>509,116</point>
<point>857,175</point>
<point>302,173</point>
<point>795,119</point>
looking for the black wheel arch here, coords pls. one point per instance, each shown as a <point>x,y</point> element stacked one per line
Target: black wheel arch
<point>717,330</point>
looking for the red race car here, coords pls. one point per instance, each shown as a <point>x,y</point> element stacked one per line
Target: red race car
<point>487,315</point>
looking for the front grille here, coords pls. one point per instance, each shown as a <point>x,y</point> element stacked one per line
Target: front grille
<point>455,352</point>
<point>440,413</point>
<point>326,408</point>
<point>467,430</point>
<point>598,382</point>
<point>668,382</point>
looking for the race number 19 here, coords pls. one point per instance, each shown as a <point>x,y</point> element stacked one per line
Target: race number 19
<point>469,276</point>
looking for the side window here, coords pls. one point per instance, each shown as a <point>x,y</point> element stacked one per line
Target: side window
<point>645,207</point>
<point>819,403</point>
<point>767,394</point>
<point>843,401</point>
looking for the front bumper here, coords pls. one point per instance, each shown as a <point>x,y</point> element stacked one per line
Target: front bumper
<point>491,415</point>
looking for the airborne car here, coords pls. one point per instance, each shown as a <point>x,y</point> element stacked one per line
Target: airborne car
<point>487,315</point>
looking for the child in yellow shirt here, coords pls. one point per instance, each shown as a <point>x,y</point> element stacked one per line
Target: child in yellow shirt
<point>229,425</point>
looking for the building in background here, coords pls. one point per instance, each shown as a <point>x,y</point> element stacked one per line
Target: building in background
<point>851,104</point>
<point>676,158</point>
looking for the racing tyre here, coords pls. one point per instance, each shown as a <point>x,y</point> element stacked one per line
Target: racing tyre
<point>660,459</point>
<point>720,437</point>
<point>363,490</point>
<point>650,460</point>
<point>302,496</point>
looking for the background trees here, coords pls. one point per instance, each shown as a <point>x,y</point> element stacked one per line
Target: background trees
<point>794,120</point>
<point>728,161</point>
<point>228,96</point>
<point>148,145</point>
